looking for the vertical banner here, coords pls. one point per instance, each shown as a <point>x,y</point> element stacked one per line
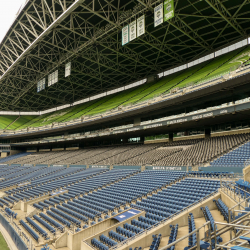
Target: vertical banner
<point>38,86</point>
<point>68,69</point>
<point>56,76</point>
<point>125,35</point>
<point>53,78</point>
<point>41,85</point>
<point>132,31</point>
<point>168,9</point>
<point>50,80</point>
<point>158,14</point>
<point>140,25</point>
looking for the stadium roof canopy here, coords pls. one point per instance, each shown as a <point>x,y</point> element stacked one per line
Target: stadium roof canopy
<point>49,33</point>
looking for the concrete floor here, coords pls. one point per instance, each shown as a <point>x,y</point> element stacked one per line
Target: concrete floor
<point>20,214</point>
<point>53,248</point>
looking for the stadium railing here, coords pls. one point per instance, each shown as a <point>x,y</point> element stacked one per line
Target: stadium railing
<point>224,186</point>
<point>110,130</point>
<point>126,242</point>
<point>180,92</point>
<point>196,231</point>
<point>13,233</point>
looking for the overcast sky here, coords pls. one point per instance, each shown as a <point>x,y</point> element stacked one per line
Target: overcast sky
<point>8,11</point>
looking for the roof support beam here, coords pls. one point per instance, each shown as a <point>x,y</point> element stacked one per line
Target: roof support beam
<point>213,5</point>
<point>43,34</point>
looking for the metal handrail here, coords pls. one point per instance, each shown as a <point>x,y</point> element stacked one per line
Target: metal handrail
<point>184,237</point>
<point>242,227</point>
<point>221,175</point>
<point>197,85</point>
<point>89,245</point>
<point>222,230</point>
<point>161,222</point>
<point>172,217</point>
<point>223,185</point>
<point>232,189</point>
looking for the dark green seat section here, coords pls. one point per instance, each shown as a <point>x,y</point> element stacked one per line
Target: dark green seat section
<point>169,82</point>
<point>31,123</point>
<point>89,110</point>
<point>75,112</point>
<point>202,72</point>
<point>22,120</point>
<point>232,63</point>
<point>6,120</point>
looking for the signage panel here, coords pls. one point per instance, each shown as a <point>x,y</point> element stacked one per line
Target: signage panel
<point>126,215</point>
<point>132,31</point>
<point>141,26</point>
<point>168,9</point>
<point>158,14</point>
<point>125,35</point>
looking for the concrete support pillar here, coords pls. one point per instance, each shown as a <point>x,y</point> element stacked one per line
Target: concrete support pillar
<point>142,139</point>
<point>125,140</point>
<point>3,154</point>
<point>12,152</point>
<point>137,121</point>
<point>246,172</point>
<point>207,133</point>
<point>171,137</point>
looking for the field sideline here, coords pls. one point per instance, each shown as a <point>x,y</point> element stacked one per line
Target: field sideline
<point>3,243</point>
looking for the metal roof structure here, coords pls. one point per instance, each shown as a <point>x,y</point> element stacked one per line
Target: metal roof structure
<point>47,34</point>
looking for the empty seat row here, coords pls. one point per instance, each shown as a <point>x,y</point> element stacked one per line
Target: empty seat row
<point>30,230</point>
<point>10,212</point>
<point>85,213</point>
<point>51,221</point>
<point>59,217</point>
<point>37,227</point>
<point>133,228</point>
<point>208,216</point>
<point>96,243</point>
<point>156,242</point>
<point>173,236</point>
<point>4,202</point>
<point>192,239</point>
<point>116,236</point>
<point>223,209</point>
<point>124,232</point>
<point>45,224</point>
<point>77,215</point>
<point>106,240</point>
<point>38,206</point>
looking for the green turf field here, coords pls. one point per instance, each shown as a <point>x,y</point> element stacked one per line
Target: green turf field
<point>3,244</point>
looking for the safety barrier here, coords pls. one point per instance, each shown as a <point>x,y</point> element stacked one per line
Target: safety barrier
<point>126,242</point>
<point>13,234</point>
